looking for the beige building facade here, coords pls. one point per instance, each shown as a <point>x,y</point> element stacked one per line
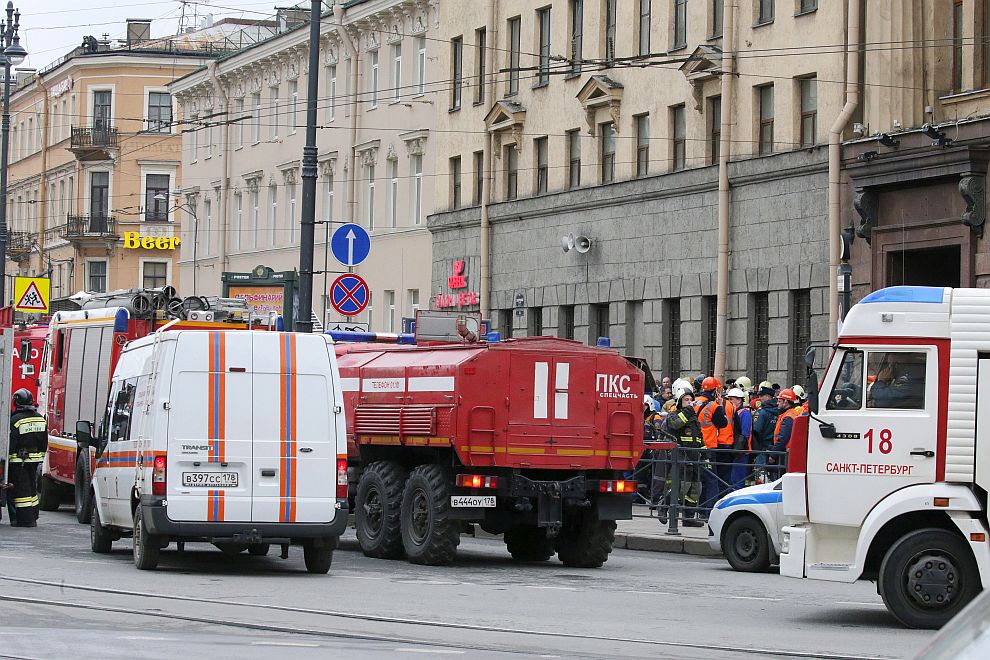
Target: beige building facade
<point>242,184</point>
<point>94,152</point>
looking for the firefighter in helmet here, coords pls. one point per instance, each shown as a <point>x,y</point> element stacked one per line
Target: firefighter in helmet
<point>683,425</point>
<point>28,442</point>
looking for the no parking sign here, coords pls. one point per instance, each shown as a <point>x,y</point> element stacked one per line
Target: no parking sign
<point>349,294</point>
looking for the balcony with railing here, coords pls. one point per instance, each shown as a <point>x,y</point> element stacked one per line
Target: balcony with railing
<point>19,244</point>
<point>90,141</point>
<point>90,227</point>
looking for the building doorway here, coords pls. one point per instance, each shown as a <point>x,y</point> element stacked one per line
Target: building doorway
<point>936,266</point>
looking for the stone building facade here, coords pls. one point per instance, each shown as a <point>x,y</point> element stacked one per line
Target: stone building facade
<point>584,146</point>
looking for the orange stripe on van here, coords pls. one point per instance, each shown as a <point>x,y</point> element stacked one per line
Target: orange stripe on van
<point>288,397</point>
<point>216,406</point>
<point>293,435</point>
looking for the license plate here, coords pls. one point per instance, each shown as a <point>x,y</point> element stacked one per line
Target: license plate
<point>209,479</point>
<point>469,501</point>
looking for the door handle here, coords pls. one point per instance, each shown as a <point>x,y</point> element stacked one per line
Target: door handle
<point>927,453</point>
<point>267,472</point>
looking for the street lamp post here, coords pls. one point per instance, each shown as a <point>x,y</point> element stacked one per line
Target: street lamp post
<point>13,54</point>
<point>307,237</point>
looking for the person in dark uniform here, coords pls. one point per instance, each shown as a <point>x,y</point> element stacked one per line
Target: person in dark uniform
<point>28,442</point>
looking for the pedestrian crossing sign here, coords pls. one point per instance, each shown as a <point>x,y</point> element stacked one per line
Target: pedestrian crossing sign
<point>32,294</point>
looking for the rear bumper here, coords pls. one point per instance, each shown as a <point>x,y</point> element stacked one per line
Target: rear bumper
<point>158,523</point>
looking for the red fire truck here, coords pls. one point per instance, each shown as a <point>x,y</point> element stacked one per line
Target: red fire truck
<point>529,438</point>
<point>81,351</point>
<point>29,346</point>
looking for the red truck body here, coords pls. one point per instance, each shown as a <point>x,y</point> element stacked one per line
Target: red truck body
<point>26,372</point>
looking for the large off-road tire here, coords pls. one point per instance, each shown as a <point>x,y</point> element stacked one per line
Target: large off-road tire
<point>429,536</point>
<point>83,486</point>
<point>585,542</point>
<point>529,543</point>
<point>746,545</point>
<point>49,494</point>
<point>147,548</point>
<point>927,577</point>
<point>100,538</point>
<point>318,555</point>
<point>377,508</point>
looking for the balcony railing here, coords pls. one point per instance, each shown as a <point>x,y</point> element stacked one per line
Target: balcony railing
<point>90,226</point>
<point>19,244</point>
<point>93,137</point>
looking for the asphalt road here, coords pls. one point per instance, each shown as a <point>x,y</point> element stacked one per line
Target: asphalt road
<point>58,599</point>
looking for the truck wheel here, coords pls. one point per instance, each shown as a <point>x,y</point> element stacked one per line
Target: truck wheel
<point>428,535</point>
<point>746,545</point>
<point>318,556</point>
<point>147,548</point>
<point>49,494</point>
<point>377,508</point>
<point>100,538</point>
<point>529,543</point>
<point>83,487</point>
<point>585,542</point>
<point>927,577</point>
<point>260,550</point>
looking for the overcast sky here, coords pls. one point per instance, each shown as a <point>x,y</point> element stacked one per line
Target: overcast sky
<point>51,28</point>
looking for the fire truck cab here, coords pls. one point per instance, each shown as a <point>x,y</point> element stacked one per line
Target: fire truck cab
<point>888,477</point>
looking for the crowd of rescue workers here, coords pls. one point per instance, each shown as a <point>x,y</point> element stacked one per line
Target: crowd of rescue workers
<point>727,436</point>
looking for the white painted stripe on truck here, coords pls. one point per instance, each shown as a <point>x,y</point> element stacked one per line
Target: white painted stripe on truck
<point>431,384</point>
<point>540,381</point>
<point>562,377</point>
<point>350,384</point>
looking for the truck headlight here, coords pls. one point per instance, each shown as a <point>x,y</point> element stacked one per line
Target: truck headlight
<point>785,543</point>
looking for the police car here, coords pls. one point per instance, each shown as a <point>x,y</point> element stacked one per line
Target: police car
<point>745,526</point>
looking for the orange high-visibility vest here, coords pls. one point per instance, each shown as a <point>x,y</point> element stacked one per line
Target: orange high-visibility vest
<point>793,412</point>
<point>712,436</point>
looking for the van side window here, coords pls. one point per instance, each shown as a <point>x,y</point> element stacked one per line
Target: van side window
<point>120,419</point>
<point>847,394</point>
<point>896,380</point>
<point>59,349</point>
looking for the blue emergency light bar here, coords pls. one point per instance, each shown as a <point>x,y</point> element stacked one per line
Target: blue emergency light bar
<point>379,337</point>
<point>907,294</point>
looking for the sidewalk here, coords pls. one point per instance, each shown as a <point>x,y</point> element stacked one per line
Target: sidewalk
<point>646,533</point>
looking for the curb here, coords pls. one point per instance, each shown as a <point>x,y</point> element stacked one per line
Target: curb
<point>670,544</point>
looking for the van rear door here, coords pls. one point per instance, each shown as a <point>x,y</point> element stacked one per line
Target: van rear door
<point>295,430</point>
<point>209,428</point>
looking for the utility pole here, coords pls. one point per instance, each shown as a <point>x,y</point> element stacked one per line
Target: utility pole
<point>307,237</point>
<point>13,54</point>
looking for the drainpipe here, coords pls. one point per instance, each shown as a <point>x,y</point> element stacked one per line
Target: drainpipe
<point>835,163</point>
<point>724,198</point>
<point>225,184</point>
<point>43,218</point>
<point>484,293</point>
<point>351,202</point>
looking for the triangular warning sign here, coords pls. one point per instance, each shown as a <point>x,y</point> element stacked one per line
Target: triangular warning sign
<point>31,300</point>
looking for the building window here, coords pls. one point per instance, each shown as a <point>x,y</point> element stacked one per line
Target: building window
<point>210,128</point>
<point>328,199</point>
<point>156,196</point>
<point>543,19</point>
<point>714,129</point>
<point>505,322</point>
<point>599,322</point>
<point>238,221</point>
<point>807,6</point>
<point>765,99</point>
<point>417,182</point>
<point>511,159</point>
<point>610,23</point>
<point>396,71</point>
<point>984,31</point>
<point>420,65</point>
<point>373,77</point>
<point>565,322</point>
<point>672,318</point>
<point>479,65</point>
<point>957,45</point>
<point>679,142</point>
<point>331,92</point>
<point>513,36</point>
<point>680,23</point>
<point>255,215</point>
<point>96,276</point>
<point>708,326</point>
<point>542,164</point>
<point>479,175</point>
<point>574,158</point>
<point>413,295</point>
<point>809,111</point>
<point>292,219</point>
<point>239,114</point>
<point>293,106</point>
<point>154,274</point>
<point>642,145</point>
<point>764,11</point>
<point>207,224</point>
<point>457,71</point>
<point>760,320</point>
<point>455,182</point>
<point>577,35</point>
<point>256,102</point>
<point>159,112</point>
<point>718,13</point>
<point>274,112</point>
<point>273,213</point>
<point>534,322</point>
<point>370,197</point>
<point>393,193</point>
<point>390,311</point>
<point>800,332</point>
<point>645,10</point>
<point>607,131</point>
<point>193,138</point>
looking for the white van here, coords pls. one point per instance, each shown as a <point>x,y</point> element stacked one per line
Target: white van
<point>234,438</point>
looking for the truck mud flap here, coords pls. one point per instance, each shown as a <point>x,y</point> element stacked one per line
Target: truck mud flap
<point>550,497</point>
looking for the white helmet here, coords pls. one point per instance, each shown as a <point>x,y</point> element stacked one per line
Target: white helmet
<point>735,392</point>
<point>681,386</point>
<point>799,392</point>
<point>744,382</point>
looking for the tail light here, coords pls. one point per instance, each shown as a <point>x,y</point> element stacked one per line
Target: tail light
<point>341,478</point>
<point>476,481</point>
<point>617,486</point>
<point>158,476</point>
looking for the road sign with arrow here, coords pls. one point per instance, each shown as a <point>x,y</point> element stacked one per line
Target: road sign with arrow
<point>350,244</point>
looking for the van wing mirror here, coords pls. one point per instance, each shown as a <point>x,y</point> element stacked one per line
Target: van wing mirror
<point>84,433</point>
<point>827,430</point>
<point>812,389</point>
<point>24,352</point>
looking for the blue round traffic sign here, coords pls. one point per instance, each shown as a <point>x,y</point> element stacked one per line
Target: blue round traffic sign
<point>350,244</point>
<point>349,294</point>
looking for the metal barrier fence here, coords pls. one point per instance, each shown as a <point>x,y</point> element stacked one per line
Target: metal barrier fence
<point>680,485</point>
